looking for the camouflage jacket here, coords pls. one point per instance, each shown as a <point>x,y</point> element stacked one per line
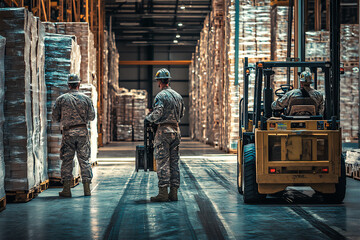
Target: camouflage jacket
<point>73,108</point>
<point>283,102</point>
<point>168,107</point>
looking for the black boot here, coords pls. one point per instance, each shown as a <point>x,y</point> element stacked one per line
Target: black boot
<point>173,194</point>
<point>163,195</point>
<point>66,192</point>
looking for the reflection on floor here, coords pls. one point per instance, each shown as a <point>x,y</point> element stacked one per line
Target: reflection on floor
<point>209,205</point>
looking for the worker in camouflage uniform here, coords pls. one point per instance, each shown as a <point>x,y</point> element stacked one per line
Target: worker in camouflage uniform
<point>168,109</point>
<point>304,91</point>
<point>74,110</point>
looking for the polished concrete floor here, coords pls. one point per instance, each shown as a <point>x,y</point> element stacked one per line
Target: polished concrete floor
<point>209,206</point>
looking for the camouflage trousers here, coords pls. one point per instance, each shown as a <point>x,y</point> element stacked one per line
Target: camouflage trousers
<point>167,157</point>
<point>81,146</point>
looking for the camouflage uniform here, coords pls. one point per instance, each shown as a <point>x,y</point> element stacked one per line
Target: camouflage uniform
<point>284,101</point>
<point>74,110</point>
<point>168,110</point>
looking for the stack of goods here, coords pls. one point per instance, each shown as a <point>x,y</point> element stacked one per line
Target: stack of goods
<point>318,49</point>
<point>90,91</point>
<point>24,129</point>
<point>352,163</point>
<point>103,118</point>
<point>279,33</point>
<point>124,115</point>
<point>139,113</point>
<point>85,40</point>
<point>61,52</point>
<point>130,112</point>
<point>111,79</point>
<point>2,95</point>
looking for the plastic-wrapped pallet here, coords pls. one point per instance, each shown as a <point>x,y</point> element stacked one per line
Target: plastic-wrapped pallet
<point>83,35</point>
<point>24,128</point>
<point>2,95</point>
<point>60,55</point>
<point>90,91</point>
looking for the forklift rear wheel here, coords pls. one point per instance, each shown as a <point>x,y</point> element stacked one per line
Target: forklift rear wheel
<point>251,193</point>
<point>340,187</point>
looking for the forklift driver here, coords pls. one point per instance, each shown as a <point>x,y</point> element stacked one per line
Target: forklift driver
<point>304,101</point>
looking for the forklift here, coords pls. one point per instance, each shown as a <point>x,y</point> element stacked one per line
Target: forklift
<point>279,150</point>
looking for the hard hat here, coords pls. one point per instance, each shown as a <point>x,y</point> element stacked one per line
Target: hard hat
<point>162,74</point>
<point>73,78</point>
<point>305,76</point>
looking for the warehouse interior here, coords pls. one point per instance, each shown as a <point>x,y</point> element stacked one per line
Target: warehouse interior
<point>247,170</point>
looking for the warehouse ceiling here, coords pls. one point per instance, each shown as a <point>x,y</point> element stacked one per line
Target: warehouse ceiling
<point>157,22</point>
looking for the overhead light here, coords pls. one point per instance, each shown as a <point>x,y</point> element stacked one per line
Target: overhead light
<point>178,36</point>
<point>182,7</point>
<point>176,41</point>
<point>180,24</point>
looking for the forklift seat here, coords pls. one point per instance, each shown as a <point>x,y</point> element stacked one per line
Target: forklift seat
<point>302,106</point>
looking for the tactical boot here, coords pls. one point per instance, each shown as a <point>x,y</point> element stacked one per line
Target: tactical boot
<point>163,195</point>
<point>66,189</point>
<point>87,191</point>
<point>173,194</point>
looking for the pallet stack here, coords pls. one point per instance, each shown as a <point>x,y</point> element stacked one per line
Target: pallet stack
<point>111,82</point>
<point>90,91</point>
<point>139,113</point>
<point>2,118</point>
<point>318,49</point>
<point>24,129</point>
<point>61,55</point>
<point>352,164</point>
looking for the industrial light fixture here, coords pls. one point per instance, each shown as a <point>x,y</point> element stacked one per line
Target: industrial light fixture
<point>178,36</point>
<point>180,24</point>
<point>176,41</point>
<point>182,7</point>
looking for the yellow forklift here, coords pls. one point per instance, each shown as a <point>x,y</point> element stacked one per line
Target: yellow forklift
<point>277,152</point>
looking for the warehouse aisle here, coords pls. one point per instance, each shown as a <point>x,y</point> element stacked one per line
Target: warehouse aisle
<point>209,207</point>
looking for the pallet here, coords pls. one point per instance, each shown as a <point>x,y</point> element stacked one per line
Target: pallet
<point>232,151</point>
<point>351,64</point>
<point>2,203</point>
<point>23,196</point>
<point>94,164</point>
<point>356,173</point>
<point>43,186</point>
<point>349,169</point>
<point>55,182</point>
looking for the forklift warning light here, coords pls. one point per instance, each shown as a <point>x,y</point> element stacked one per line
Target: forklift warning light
<point>272,170</point>
<point>325,170</point>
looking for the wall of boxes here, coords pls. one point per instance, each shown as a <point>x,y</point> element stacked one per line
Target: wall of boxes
<point>35,60</point>
<point>214,98</point>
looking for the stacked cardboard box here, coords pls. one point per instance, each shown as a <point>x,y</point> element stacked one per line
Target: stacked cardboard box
<point>129,111</point>
<point>139,113</point>
<point>2,96</point>
<point>106,97</point>
<point>111,79</point>
<point>24,129</point>
<point>60,55</point>
<point>90,91</point>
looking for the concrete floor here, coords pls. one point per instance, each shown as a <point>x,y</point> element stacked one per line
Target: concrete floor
<point>209,208</point>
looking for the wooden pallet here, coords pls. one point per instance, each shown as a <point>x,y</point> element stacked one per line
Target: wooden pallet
<point>22,196</point>
<point>232,151</point>
<point>349,169</point>
<point>356,173</point>
<point>351,64</point>
<point>2,203</point>
<point>43,186</point>
<point>55,182</point>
